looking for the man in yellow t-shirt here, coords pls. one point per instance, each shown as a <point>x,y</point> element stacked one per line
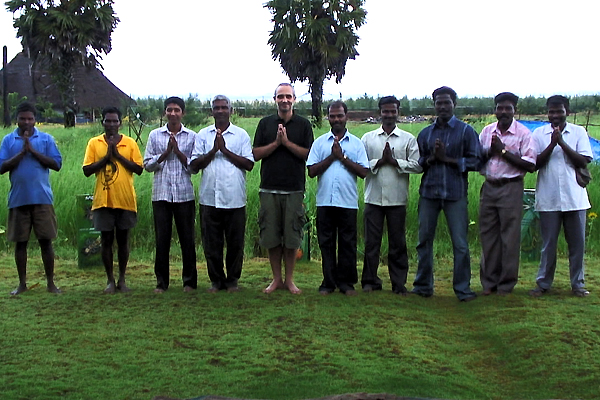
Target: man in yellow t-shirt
<point>114,158</point>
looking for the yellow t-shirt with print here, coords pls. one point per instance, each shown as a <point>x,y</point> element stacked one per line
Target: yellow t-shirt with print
<point>114,183</point>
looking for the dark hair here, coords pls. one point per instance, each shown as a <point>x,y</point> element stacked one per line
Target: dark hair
<point>111,110</point>
<point>506,96</point>
<point>558,100</point>
<point>26,107</point>
<point>285,84</point>
<point>338,103</point>
<point>444,90</point>
<point>175,100</point>
<point>389,100</point>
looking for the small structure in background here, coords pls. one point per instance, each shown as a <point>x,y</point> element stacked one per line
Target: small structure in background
<point>93,90</point>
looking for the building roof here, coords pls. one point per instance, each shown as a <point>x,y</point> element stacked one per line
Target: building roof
<point>92,88</point>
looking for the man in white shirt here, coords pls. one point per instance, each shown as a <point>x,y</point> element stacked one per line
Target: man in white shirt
<point>224,153</point>
<point>562,147</point>
<point>393,154</point>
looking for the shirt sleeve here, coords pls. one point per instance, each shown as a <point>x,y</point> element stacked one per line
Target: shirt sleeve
<point>259,134</point>
<point>472,151</point>
<point>411,164</point>
<point>151,155</point>
<point>53,152</point>
<point>247,147</point>
<point>90,154</point>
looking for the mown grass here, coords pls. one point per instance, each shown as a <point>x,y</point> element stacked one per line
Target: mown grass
<point>86,345</point>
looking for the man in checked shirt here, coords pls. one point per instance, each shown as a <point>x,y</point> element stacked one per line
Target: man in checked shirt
<point>168,153</point>
<point>449,149</point>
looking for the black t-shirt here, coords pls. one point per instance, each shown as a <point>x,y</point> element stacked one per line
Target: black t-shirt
<point>282,170</point>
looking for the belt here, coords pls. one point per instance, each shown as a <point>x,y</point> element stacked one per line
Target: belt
<point>504,181</point>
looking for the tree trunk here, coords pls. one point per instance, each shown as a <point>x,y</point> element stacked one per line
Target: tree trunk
<point>316,94</point>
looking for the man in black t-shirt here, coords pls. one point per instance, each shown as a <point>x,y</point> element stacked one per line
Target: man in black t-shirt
<point>282,142</point>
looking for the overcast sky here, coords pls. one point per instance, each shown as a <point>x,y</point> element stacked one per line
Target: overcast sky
<point>478,47</point>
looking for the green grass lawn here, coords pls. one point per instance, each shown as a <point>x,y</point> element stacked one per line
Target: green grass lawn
<point>83,344</point>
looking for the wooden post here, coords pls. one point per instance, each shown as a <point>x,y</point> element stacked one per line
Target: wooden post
<point>5,86</point>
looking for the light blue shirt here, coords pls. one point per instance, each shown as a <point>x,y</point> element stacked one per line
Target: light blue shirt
<point>29,180</point>
<point>337,186</point>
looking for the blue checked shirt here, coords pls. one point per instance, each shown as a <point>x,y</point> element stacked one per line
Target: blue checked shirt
<point>172,180</point>
<point>440,180</point>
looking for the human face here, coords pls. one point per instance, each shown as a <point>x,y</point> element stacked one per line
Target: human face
<point>174,113</point>
<point>444,106</point>
<point>284,98</point>
<point>26,122</point>
<point>221,112</point>
<point>111,124</point>
<point>557,115</point>
<point>389,114</point>
<point>505,112</point>
<point>337,120</point>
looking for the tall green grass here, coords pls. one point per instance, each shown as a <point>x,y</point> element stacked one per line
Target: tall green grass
<point>70,182</point>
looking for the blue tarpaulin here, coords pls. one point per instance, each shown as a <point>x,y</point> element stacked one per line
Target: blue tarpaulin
<point>595,143</point>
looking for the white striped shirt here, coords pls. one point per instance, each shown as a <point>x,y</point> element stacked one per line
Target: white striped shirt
<point>172,180</point>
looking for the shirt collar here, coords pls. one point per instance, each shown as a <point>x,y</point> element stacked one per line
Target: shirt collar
<point>34,134</point>
<point>166,129</point>
<point>330,135</point>
<point>512,129</point>
<point>395,132</point>
<point>213,128</point>
<point>451,123</point>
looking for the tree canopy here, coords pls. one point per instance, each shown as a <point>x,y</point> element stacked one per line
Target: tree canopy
<point>313,40</point>
<point>65,33</point>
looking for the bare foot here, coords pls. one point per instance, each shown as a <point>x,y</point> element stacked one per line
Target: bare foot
<point>122,287</point>
<point>20,289</point>
<point>159,290</point>
<point>292,287</point>
<point>110,288</point>
<point>233,289</point>
<point>276,284</point>
<point>212,289</point>
<point>351,292</point>
<point>53,289</point>
<point>188,289</point>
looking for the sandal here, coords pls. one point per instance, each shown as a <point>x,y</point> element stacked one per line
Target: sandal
<point>580,292</point>
<point>537,292</point>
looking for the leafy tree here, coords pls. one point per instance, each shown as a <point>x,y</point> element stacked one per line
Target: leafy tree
<point>65,34</point>
<point>313,40</point>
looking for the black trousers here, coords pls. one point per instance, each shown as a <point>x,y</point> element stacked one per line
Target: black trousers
<point>397,253</point>
<point>220,226</point>
<point>336,232</point>
<point>184,215</point>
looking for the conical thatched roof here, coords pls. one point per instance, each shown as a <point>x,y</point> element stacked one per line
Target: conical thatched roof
<point>92,88</point>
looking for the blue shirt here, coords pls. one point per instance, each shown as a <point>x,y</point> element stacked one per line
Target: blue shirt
<point>29,180</point>
<point>337,186</point>
<point>441,180</point>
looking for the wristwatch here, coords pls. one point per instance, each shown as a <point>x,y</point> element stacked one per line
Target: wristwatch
<point>345,157</point>
<point>503,152</point>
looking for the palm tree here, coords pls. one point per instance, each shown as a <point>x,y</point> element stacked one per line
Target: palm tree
<point>313,40</point>
<point>64,34</point>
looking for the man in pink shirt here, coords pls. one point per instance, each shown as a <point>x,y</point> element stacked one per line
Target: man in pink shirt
<point>508,154</point>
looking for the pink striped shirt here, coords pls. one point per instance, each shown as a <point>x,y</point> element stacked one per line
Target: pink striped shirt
<point>517,140</point>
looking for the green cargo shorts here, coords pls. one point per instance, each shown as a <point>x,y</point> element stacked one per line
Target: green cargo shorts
<point>281,220</point>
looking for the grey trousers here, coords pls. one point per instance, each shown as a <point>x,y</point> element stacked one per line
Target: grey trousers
<point>573,223</point>
<point>500,214</point>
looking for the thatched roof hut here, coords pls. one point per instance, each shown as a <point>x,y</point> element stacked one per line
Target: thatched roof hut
<point>93,90</point>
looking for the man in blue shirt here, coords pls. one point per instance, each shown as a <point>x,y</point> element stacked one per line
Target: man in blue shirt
<point>337,158</point>
<point>28,155</point>
<point>449,148</point>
